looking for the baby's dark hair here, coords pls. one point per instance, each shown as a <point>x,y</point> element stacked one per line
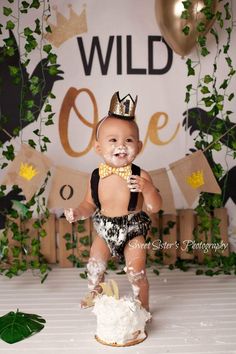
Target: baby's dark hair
<point>108,117</point>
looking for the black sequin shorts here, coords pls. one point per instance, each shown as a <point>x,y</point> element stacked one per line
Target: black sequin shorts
<point>119,230</point>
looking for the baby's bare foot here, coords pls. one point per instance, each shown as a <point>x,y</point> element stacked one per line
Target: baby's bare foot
<point>88,300</point>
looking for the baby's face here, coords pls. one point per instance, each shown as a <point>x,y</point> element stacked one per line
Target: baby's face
<point>118,142</point>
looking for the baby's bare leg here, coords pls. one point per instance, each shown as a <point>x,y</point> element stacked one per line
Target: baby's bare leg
<point>99,255</point>
<point>135,258</point>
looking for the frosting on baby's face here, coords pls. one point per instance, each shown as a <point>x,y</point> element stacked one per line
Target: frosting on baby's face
<point>118,142</point>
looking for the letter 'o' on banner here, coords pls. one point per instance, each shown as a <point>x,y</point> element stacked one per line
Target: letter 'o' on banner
<point>66,192</point>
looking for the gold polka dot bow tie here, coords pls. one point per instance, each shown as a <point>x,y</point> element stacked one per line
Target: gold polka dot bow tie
<point>106,170</point>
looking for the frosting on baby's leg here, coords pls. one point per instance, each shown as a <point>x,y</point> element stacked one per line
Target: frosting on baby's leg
<point>96,269</point>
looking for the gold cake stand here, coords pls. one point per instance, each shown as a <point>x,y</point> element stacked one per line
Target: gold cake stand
<point>128,344</point>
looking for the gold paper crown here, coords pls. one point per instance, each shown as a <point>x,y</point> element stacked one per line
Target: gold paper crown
<point>196,179</point>
<point>122,108</point>
<point>66,28</point>
<point>27,171</point>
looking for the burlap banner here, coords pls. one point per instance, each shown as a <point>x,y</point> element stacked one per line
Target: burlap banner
<point>161,181</point>
<point>28,170</point>
<point>194,175</point>
<point>68,188</point>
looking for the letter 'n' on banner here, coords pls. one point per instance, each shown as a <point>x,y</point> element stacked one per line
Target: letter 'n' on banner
<point>194,175</point>
<point>161,181</point>
<point>68,188</point>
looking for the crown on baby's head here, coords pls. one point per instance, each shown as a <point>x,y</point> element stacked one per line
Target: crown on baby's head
<point>122,108</point>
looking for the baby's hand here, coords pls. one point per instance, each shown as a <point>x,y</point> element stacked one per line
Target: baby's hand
<point>71,215</point>
<point>139,184</point>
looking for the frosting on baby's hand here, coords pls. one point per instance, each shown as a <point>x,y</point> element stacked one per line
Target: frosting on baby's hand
<point>69,214</point>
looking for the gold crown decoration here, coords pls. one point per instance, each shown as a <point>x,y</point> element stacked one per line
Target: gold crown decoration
<point>122,108</point>
<point>196,179</point>
<point>27,171</point>
<point>66,28</point>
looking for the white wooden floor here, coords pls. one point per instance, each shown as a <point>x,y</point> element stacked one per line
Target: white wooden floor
<point>191,314</point>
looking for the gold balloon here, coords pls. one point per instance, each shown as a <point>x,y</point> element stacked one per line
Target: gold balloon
<point>168,15</point>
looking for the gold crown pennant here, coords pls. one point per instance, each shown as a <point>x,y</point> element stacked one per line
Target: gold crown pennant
<point>66,28</point>
<point>196,179</point>
<point>122,108</point>
<point>27,171</point>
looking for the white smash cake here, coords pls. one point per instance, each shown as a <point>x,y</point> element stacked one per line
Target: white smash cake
<point>120,322</point>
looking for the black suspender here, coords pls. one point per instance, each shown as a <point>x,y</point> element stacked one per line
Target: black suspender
<point>134,195</point>
<point>94,188</point>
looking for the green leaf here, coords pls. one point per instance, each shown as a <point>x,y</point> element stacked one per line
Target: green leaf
<point>186,30</point>
<point>204,51</point>
<point>52,58</point>
<point>37,27</point>
<point>48,29</point>
<point>111,264</point>
<point>43,233</point>
<point>80,228</point>
<point>227,11</point>
<point>226,48</point>
<point>207,79</point>
<point>16,326</point>
<point>199,272</point>
<point>35,4</point>
<point>185,15</point>
<point>14,70</point>
<point>25,4</point>
<point>84,241</point>
<point>191,70</point>
<point>83,275</point>
<point>205,89</point>
<point>29,116</point>
<point>217,146</point>
<point>7,11</point>
<point>46,139</point>
<point>229,61</point>
<point>16,251</point>
<point>9,153</point>
<point>31,143</point>
<point>20,208</point>
<point>156,271</point>
<point>186,4</point>
<point>201,27</point>
<point>201,40</point>
<point>187,97</point>
<point>67,236</point>
<point>27,31</point>
<point>53,70</point>
<point>48,108</point>
<point>10,25</point>
<point>47,48</point>
<point>224,84</point>
<point>231,96</point>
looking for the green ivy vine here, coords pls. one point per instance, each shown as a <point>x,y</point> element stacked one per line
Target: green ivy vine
<point>212,95</point>
<point>26,251</point>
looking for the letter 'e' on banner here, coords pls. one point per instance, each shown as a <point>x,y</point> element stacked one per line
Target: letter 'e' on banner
<point>194,175</point>
<point>28,170</point>
<point>161,181</point>
<point>68,188</point>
